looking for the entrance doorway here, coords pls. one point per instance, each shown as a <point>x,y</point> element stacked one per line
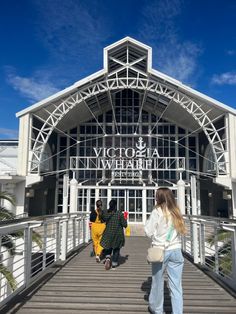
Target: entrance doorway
<point>138,201</point>
<point>130,200</point>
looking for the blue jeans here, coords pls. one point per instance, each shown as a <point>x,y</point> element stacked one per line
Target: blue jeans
<point>173,263</point>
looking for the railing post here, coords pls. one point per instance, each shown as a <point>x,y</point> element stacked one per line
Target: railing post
<point>233,249</point>
<point>84,228</point>
<point>58,241</point>
<point>64,225</point>
<point>44,244</point>
<point>73,233</point>
<point>216,249</point>
<point>181,194</point>
<point>28,252</point>
<point>202,243</point>
<point>64,237</point>
<point>87,236</point>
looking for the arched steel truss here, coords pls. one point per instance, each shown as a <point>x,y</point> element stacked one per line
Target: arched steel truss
<point>185,102</point>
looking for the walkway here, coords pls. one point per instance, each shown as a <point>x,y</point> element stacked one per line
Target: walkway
<point>82,286</point>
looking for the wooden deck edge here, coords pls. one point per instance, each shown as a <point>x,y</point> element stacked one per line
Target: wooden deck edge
<point>20,299</point>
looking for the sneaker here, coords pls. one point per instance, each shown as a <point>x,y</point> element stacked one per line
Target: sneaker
<point>107,264</point>
<point>98,259</point>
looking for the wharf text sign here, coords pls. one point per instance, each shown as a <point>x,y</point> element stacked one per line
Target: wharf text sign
<point>127,162</point>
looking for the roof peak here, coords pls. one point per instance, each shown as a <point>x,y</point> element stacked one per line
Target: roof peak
<point>129,44</point>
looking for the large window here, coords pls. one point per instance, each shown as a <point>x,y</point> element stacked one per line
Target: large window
<point>121,126</point>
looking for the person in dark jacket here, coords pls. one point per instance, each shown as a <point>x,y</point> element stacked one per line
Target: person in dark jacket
<point>113,237</point>
<point>97,229</point>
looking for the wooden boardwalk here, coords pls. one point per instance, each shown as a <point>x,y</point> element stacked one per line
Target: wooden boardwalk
<point>83,286</point>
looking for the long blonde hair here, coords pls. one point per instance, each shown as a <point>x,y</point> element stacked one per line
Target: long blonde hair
<point>165,199</point>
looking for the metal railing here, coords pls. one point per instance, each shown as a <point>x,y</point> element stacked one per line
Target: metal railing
<point>29,246</point>
<point>211,242</point>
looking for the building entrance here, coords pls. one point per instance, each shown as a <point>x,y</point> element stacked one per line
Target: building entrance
<point>138,201</point>
<point>130,200</point>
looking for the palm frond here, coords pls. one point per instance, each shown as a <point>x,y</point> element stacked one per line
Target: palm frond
<point>6,214</point>
<point>8,196</point>
<point>222,236</point>
<point>36,237</point>
<point>225,264</point>
<point>9,244</point>
<point>9,276</point>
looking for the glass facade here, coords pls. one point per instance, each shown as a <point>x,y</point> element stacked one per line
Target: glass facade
<point>121,127</point>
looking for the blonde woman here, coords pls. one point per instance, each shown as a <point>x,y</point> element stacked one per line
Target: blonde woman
<point>166,222</point>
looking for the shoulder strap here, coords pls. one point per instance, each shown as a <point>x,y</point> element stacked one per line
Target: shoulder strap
<point>170,232</point>
<point>169,236</point>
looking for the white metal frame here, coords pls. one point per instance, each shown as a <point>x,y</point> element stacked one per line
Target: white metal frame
<point>204,244</point>
<point>60,235</point>
<point>117,83</point>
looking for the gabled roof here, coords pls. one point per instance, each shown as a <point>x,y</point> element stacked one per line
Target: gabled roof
<point>140,55</point>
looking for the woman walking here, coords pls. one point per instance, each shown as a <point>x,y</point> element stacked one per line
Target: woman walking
<point>113,237</point>
<point>165,227</point>
<point>97,229</point>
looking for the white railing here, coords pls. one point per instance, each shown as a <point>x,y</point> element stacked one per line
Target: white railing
<point>29,247</point>
<point>211,242</point>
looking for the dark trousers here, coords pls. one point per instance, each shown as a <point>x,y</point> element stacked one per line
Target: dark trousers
<point>115,255</point>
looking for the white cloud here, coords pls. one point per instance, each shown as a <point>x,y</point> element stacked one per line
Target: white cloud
<point>72,29</point>
<point>33,88</point>
<point>174,56</point>
<point>231,52</point>
<point>228,78</point>
<point>8,133</point>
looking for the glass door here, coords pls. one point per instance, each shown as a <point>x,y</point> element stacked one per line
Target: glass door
<point>120,197</point>
<point>134,205</point>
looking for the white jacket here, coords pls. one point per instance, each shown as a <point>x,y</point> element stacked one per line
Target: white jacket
<point>157,227</point>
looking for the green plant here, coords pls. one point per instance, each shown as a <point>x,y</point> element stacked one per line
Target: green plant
<point>8,240</point>
<point>224,251</point>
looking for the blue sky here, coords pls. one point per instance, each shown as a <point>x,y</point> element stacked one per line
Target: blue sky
<point>47,45</point>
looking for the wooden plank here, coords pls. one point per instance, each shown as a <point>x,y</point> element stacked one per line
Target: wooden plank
<point>84,286</point>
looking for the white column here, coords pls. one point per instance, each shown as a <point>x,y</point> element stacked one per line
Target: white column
<point>64,230</point>
<point>144,205</point>
<point>195,247</point>
<point>96,194</point>
<point>65,193</point>
<point>24,147</point>
<point>194,195</point>
<point>234,199</point>
<point>181,194</point>
<point>108,196</point>
<point>88,207</point>
<point>73,195</point>
<point>20,197</point>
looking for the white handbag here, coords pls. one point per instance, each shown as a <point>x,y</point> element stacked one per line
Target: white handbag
<point>155,254</point>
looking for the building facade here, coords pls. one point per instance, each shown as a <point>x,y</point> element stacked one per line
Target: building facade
<point>10,182</point>
<point>123,132</point>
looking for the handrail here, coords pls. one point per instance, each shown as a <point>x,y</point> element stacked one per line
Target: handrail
<point>211,218</point>
<point>28,246</point>
<point>27,219</point>
<point>211,242</point>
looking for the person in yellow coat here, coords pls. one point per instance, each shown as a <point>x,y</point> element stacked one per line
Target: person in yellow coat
<point>97,229</point>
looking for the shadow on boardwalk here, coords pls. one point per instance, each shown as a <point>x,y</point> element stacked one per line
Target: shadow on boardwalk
<point>84,286</point>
